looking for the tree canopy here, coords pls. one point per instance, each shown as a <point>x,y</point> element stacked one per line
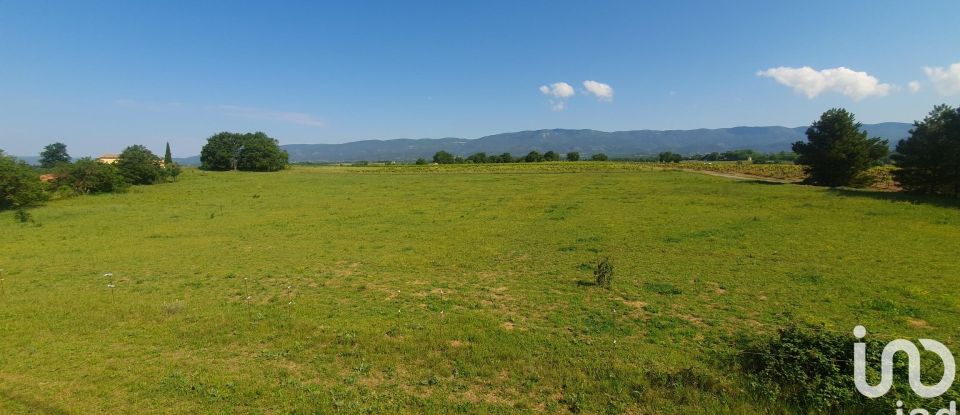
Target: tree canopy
<point>20,185</point>
<point>248,151</point>
<point>837,152</point>
<point>54,154</point>
<point>138,165</point>
<point>929,159</point>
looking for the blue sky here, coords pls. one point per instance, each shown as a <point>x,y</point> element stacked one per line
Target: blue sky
<point>102,75</point>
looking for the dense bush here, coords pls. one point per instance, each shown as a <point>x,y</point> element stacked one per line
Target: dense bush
<point>138,165</point>
<point>551,156</point>
<point>87,176</point>
<point>20,186</point>
<point>929,160</point>
<point>599,157</point>
<point>573,156</point>
<point>837,152</point>
<point>250,151</point>
<point>811,368</point>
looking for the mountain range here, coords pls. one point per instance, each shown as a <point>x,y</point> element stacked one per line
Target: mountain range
<point>614,144</point>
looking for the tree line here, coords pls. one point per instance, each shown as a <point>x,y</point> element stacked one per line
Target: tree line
<point>838,152</point>
<point>443,157</point>
<point>23,186</point>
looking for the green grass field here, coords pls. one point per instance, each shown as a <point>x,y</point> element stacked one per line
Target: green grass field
<point>450,289</point>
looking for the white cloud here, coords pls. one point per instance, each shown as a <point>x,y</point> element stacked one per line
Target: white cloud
<point>914,86</point>
<point>558,92</point>
<point>601,90</point>
<point>811,82</point>
<point>298,118</point>
<point>945,80</point>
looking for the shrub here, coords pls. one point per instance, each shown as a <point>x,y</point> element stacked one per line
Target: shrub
<point>20,186</point>
<point>604,273</point>
<point>88,176</point>
<point>811,368</point>
<point>599,157</point>
<point>573,156</point>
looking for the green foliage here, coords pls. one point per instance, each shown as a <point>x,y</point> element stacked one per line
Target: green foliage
<point>172,170</point>
<point>421,161</point>
<point>505,158</point>
<point>811,367</point>
<point>533,157</point>
<point>603,274</point>
<point>138,165</point>
<point>20,186</point>
<point>929,160</point>
<point>669,157</point>
<point>573,156</point>
<point>167,156</point>
<point>837,152</point>
<point>53,155</point>
<point>551,156</point>
<point>249,151</point>
<point>443,157</point>
<point>88,176</point>
<point>478,158</point>
<point>599,157</point>
<point>261,153</point>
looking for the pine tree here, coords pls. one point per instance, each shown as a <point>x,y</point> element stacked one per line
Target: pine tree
<point>837,152</point>
<point>929,159</point>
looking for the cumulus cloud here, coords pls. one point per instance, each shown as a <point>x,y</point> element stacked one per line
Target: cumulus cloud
<point>298,118</point>
<point>914,86</point>
<point>558,94</point>
<point>811,82</point>
<point>946,81</point>
<point>601,90</point>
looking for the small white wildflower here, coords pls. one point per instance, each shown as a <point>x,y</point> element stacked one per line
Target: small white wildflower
<point>110,285</point>
<point>109,274</point>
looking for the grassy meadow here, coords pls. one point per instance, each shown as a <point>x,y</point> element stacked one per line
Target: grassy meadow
<point>450,289</point>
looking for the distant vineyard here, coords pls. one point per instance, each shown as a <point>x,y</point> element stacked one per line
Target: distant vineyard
<point>883,177</point>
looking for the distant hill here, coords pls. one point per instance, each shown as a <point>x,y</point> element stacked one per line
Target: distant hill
<point>618,143</point>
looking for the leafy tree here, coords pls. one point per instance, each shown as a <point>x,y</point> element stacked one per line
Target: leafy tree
<point>599,157</point>
<point>669,157</point>
<point>261,153</point>
<point>138,165</point>
<point>837,152</point>
<point>573,156</point>
<point>506,158</point>
<point>167,156</point>
<point>249,151</point>
<point>551,156</point>
<point>173,170</point>
<point>442,157</point>
<point>88,176</point>
<point>478,158</point>
<point>929,159</point>
<point>54,154</point>
<point>421,161</point>
<point>533,157</point>
<point>20,186</point>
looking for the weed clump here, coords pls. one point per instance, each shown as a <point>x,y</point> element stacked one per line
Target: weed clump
<point>603,273</point>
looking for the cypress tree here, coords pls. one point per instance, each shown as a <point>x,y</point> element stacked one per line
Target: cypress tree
<point>168,157</point>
